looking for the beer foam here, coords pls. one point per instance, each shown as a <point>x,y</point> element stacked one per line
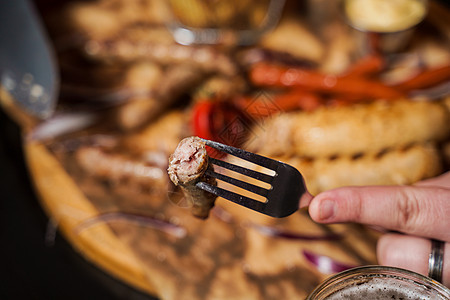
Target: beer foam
<point>385,288</point>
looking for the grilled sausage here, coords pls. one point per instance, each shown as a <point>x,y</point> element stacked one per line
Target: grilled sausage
<point>187,166</point>
<point>351,130</point>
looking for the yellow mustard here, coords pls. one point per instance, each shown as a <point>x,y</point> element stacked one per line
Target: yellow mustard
<point>385,15</point>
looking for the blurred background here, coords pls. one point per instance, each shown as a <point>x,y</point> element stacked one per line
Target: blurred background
<point>37,262</point>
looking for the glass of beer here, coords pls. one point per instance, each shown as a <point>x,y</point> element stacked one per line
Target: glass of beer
<point>379,282</point>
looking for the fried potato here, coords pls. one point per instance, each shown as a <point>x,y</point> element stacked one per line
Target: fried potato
<point>162,135</point>
<point>304,45</point>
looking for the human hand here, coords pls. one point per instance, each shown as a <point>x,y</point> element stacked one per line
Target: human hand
<point>421,212</point>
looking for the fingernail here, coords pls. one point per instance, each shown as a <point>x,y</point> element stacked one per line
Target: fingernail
<point>326,209</point>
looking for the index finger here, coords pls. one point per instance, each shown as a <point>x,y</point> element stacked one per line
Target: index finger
<point>417,210</point>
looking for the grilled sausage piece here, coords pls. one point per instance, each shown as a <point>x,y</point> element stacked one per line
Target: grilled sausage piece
<point>117,166</point>
<point>187,166</point>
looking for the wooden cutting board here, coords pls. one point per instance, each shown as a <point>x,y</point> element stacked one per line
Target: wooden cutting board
<point>67,207</point>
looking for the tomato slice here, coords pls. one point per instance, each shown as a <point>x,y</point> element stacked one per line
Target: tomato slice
<point>201,119</point>
<point>220,121</point>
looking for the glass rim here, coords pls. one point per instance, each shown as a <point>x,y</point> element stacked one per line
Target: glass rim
<point>378,271</point>
<point>188,35</point>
